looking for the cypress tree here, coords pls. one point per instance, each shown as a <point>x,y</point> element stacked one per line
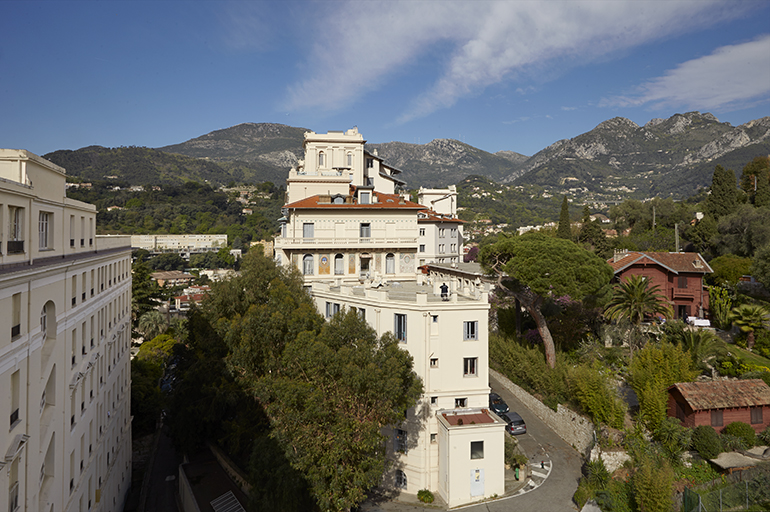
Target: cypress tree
<point>762,196</point>
<point>565,230</point>
<point>723,199</point>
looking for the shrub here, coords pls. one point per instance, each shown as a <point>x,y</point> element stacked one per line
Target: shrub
<point>731,443</point>
<point>653,484</point>
<point>673,438</point>
<point>597,474</point>
<point>744,431</point>
<point>583,493</point>
<point>425,496</point>
<point>764,436</point>
<point>592,387</point>
<point>706,442</point>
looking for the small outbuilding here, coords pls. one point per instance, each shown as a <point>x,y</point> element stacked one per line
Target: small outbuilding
<point>719,403</point>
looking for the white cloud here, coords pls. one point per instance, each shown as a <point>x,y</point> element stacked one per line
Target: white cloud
<point>365,46</point>
<point>730,77</point>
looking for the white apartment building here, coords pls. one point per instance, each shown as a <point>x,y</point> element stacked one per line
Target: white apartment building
<point>184,244</point>
<point>65,380</point>
<point>356,241</point>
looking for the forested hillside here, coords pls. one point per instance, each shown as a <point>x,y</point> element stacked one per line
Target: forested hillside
<point>188,208</point>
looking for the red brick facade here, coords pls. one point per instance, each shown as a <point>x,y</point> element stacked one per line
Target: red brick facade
<point>717,404</point>
<point>678,275</point>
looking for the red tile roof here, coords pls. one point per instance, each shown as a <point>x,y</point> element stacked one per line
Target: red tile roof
<point>674,261</point>
<point>387,201</point>
<point>724,394</point>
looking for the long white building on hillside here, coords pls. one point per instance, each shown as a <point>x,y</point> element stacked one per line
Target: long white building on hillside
<point>360,243</point>
<point>65,379</point>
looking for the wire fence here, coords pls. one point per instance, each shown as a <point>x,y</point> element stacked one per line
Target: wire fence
<point>751,492</point>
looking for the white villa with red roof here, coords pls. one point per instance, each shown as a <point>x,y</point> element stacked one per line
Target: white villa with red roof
<point>359,244</point>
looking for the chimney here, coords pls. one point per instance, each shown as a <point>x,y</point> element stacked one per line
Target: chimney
<point>619,255</point>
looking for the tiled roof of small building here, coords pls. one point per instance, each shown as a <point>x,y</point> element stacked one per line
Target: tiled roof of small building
<point>724,394</point>
<point>383,201</point>
<point>674,261</point>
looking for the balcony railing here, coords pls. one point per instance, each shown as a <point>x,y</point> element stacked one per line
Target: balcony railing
<point>344,242</point>
<point>682,293</point>
<point>15,246</point>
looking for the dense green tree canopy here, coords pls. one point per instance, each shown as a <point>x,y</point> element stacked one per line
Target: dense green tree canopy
<point>728,269</point>
<point>760,267</point>
<point>743,232</point>
<point>327,388</point>
<point>550,266</point>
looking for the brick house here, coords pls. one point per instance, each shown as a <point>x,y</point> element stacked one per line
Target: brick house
<point>678,274</point>
<point>719,403</point>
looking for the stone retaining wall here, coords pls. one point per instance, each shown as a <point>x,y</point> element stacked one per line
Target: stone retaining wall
<point>574,428</point>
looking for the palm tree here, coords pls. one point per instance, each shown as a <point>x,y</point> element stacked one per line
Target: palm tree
<point>701,344</point>
<point>749,318</point>
<point>635,299</point>
<point>152,324</point>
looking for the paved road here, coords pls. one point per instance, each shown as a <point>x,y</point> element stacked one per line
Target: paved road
<point>162,484</point>
<point>540,443</point>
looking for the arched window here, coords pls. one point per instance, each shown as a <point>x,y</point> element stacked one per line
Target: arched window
<point>390,264</point>
<point>321,159</point>
<point>339,264</point>
<point>307,265</point>
<point>400,479</point>
<point>48,320</point>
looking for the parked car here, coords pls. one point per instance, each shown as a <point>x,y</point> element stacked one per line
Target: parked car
<point>514,423</point>
<point>497,404</point>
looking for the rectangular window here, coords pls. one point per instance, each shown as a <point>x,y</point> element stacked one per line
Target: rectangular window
<point>422,247</point>
<point>716,419</point>
<point>72,231</point>
<point>434,362</point>
<point>362,313</point>
<point>453,232</point>
<point>16,230</point>
<point>399,329</point>
<point>453,248</point>
<point>441,232</point>
<point>477,449</point>
<point>15,399</point>
<point>369,163</point>
<point>329,310</point>
<point>422,231</point>
<point>682,281</point>
<point>400,440</point>
<point>470,366</point>
<point>441,248</point>
<point>461,402</point>
<point>44,222</point>
<point>756,415</point>
<point>15,316</point>
<point>471,330</point>
<point>365,230</point>
<point>434,400</point>
<point>307,230</point>
<point>364,197</point>
<point>433,438</point>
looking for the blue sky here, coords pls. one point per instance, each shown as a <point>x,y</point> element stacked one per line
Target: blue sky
<point>501,75</point>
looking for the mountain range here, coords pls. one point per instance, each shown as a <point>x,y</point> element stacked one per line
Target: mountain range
<point>616,160</point>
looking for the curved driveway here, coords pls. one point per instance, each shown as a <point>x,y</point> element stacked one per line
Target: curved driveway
<point>540,443</point>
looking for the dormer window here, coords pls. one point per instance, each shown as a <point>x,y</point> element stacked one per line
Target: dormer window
<point>338,199</point>
<point>363,197</point>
